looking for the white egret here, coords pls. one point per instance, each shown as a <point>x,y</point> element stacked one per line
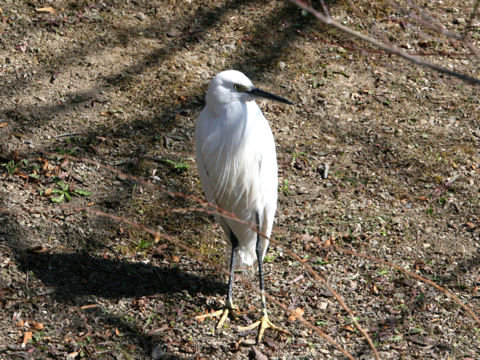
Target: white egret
<point>238,168</point>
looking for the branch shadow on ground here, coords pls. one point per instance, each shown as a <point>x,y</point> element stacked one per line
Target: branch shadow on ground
<point>76,274</point>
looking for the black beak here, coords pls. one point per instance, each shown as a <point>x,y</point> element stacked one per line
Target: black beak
<point>264,94</point>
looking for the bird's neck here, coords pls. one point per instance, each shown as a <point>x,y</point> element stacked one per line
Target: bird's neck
<point>232,120</point>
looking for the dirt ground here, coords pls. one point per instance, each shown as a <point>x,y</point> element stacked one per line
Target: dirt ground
<point>96,96</point>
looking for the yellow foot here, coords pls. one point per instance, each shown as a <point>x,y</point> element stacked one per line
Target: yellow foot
<point>262,324</point>
<point>222,313</point>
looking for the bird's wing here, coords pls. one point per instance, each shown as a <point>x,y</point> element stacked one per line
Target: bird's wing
<point>238,170</point>
<point>201,134</point>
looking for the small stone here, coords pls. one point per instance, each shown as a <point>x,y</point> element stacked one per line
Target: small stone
<point>282,65</point>
<point>255,354</point>
<point>323,305</point>
<point>141,16</point>
<point>459,21</point>
<point>248,342</point>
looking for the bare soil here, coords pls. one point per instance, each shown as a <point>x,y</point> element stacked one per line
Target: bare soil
<point>96,96</point>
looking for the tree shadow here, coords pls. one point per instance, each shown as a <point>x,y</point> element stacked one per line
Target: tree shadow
<point>77,274</point>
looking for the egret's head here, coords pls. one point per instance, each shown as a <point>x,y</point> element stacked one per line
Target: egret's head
<point>232,85</point>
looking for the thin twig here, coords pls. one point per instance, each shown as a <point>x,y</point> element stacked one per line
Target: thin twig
<point>198,255</point>
<point>472,17</point>
<point>219,211</point>
<point>325,8</point>
<point>412,274</point>
<point>390,48</point>
<point>68,134</point>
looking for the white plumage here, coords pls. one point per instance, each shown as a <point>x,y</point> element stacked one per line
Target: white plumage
<point>238,167</point>
<point>236,160</point>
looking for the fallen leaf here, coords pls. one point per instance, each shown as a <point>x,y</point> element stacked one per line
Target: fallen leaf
<point>46,10</point>
<point>27,336</point>
<point>349,328</point>
<point>175,258</point>
<point>72,355</point>
<point>62,175</point>
<point>106,113</point>
<point>36,325</point>
<point>297,313</point>
<point>88,306</point>
<point>117,332</point>
<point>37,249</point>
<point>20,323</point>
<point>2,125</point>
<point>470,225</point>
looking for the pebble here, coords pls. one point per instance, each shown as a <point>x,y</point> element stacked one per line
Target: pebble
<point>141,16</point>
<point>323,305</point>
<point>282,65</point>
<point>459,21</point>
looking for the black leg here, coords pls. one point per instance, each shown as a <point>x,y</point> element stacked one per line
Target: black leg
<point>234,241</point>
<point>264,323</point>
<point>259,251</point>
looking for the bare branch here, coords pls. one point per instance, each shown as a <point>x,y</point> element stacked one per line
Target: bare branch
<point>412,274</point>
<point>390,48</point>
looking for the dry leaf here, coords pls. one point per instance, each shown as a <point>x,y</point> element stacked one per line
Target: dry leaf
<point>349,328</point>
<point>106,113</point>
<point>470,225</point>
<point>88,306</point>
<point>37,249</point>
<point>2,125</point>
<point>20,323</point>
<point>117,332</point>
<point>297,313</point>
<point>175,258</point>
<point>36,325</point>
<point>46,10</point>
<point>27,336</point>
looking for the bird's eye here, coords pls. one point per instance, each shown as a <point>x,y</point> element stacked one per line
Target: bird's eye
<point>239,87</point>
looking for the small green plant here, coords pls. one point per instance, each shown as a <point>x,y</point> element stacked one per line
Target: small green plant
<point>179,166</point>
<point>11,166</point>
<point>64,192</point>
<point>38,336</point>
<point>269,258</point>
<point>71,152</point>
<point>144,244</point>
<point>429,210</point>
<point>295,155</point>
<point>285,188</point>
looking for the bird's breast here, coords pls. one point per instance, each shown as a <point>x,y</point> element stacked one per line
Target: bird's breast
<point>239,157</point>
